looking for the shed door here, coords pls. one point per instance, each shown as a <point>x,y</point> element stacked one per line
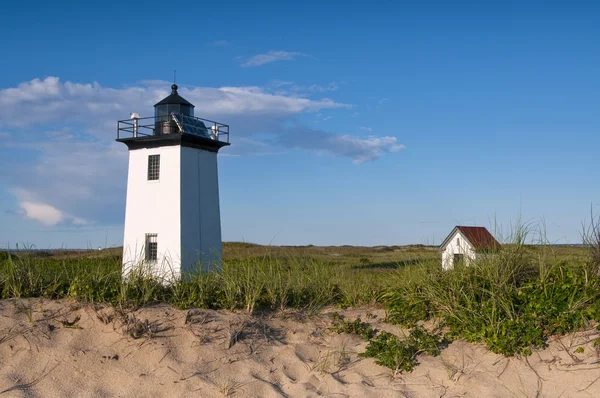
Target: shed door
<point>459,259</point>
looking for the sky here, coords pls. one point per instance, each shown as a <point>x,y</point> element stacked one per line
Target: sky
<point>355,122</point>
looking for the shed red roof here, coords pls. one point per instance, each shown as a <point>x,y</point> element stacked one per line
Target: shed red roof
<point>479,237</point>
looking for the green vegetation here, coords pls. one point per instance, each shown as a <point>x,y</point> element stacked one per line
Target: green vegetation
<point>253,277</point>
<point>359,328</point>
<point>401,355</point>
<point>512,300</point>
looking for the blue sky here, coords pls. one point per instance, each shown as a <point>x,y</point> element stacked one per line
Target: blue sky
<point>360,123</point>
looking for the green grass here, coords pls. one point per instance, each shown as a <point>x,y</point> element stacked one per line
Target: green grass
<point>253,277</point>
<point>511,301</point>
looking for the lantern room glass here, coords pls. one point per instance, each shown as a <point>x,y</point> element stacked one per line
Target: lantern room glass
<point>162,112</point>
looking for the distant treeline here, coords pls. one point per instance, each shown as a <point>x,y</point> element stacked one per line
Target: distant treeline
<point>44,250</point>
<point>63,250</point>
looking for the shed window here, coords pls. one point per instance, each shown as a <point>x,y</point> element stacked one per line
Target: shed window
<point>457,241</point>
<point>151,247</point>
<point>153,167</point>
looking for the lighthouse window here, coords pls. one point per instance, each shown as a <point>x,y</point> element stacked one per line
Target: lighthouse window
<point>153,167</point>
<point>151,247</point>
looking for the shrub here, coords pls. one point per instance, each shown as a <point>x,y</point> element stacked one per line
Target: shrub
<point>357,327</point>
<point>401,355</point>
<point>407,310</point>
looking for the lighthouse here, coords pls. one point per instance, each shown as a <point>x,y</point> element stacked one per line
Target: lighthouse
<point>172,217</point>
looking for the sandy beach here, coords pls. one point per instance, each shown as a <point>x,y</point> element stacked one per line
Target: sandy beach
<point>68,349</point>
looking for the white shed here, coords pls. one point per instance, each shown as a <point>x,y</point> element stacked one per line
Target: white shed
<point>464,244</point>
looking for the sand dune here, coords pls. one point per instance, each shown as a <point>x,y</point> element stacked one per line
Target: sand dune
<point>67,349</point>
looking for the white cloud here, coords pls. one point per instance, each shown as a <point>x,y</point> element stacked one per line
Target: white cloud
<point>97,108</point>
<point>317,88</point>
<point>358,149</point>
<point>271,56</point>
<point>70,170</point>
<point>34,91</point>
<point>42,212</point>
<point>290,88</point>
<point>362,150</point>
<point>254,100</point>
<point>368,129</point>
<point>81,180</point>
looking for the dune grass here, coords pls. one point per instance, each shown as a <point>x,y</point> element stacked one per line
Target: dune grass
<point>512,300</point>
<point>267,282</point>
<point>256,277</point>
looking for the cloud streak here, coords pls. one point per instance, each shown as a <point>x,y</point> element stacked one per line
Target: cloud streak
<point>271,56</point>
<point>358,149</point>
<point>219,43</point>
<point>291,88</point>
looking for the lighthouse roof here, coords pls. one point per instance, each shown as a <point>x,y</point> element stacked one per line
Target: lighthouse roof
<point>174,98</point>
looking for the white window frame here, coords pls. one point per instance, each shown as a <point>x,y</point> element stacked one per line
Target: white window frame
<point>151,252</point>
<point>157,167</point>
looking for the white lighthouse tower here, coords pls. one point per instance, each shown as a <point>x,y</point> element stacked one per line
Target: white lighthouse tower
<point>172,218</point>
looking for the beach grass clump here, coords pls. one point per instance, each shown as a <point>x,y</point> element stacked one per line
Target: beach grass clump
<point>591,238</point>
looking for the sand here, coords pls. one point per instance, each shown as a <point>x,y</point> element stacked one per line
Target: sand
<point>66,349</point>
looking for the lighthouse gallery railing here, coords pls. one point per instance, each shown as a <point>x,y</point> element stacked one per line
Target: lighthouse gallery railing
<point>172,124</point>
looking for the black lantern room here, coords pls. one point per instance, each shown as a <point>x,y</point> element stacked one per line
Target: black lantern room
<point>173,103</point>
